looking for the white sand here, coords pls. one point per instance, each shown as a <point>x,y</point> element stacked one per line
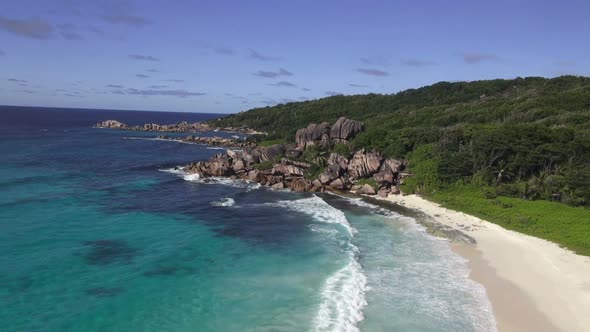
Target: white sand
<point>553,280</point>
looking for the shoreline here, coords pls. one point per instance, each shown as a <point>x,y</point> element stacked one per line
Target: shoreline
<point>532,284</point>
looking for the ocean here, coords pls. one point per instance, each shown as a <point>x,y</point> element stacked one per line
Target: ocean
<point>99,232</point>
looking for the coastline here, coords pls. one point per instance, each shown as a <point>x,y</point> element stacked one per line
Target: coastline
<point>533,284</point>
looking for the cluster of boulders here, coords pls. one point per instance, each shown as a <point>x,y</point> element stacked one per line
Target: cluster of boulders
<point>340,173</point>
<point>343,174</point>
<point>278,166</point>
<point>340,132</point>
<point>218,141</point>
<point>111,124</point>
<point>180,127</point>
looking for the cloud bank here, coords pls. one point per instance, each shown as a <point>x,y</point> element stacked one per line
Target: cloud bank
<point>273,74</point>
<point>31,28</point>
<point>141,57</point>
<point>372,72</point>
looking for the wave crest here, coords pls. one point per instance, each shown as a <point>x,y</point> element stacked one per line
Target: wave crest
<point>318,209</point>
<point>343,293</point>
<point>193,177</point>
<point>224,202</point>
<point>343,299</point>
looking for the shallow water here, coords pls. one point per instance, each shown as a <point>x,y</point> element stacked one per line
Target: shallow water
<point>96,233</point>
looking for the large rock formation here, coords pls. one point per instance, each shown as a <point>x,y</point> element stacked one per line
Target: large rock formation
<point>312,134</point>
<point>336,159</point>
<point>300,185</point>
<point>389,171</point>
<point>341,131</point>
<point>278,166</point>
<point>364,164</point>
<point>393,165</point>
<point>344,129</point>
<point>366,190</point>
<point>272,152</point>
<point>219,165</point>
<point>285,168</point>
<point>111,124</point>
<point>331,173</point>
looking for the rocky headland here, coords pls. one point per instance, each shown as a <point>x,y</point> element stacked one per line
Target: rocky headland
<point>311,164</point>
<point>180,127</point>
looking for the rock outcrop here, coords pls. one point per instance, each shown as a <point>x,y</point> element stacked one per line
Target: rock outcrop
<point>272,152</point>
<point>277,166</point>
<point>339,174</point>
<point>312,134</point>
<point>287,169</point>
<point>340,132</point>
<point>364,164</point>
<point>111,124</point>
<point>344,129</point>
<point>366,189</point>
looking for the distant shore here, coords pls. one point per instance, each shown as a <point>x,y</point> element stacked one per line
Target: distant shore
<point>533,284</point>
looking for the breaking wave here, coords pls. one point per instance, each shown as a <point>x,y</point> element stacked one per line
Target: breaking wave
<point>343,292</point>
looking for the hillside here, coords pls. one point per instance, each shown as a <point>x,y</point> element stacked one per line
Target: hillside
<point>560,101</point>
<point>527,137</point>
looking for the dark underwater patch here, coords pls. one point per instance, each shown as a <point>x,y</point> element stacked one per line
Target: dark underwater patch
<point>168,271</point>
<point>104,291</point>
<point>19,284</point>
<point>24,283</point>
<point>103,252</point>
<point>161,271</point>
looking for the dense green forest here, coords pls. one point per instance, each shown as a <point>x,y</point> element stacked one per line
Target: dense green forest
<point>527,138</point>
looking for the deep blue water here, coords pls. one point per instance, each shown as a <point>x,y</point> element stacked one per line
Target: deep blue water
<point>98,233</point>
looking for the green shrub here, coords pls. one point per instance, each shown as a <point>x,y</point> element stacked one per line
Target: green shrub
<point>263,166</point>
<point>557,222</point>
<point>271,142</point>
<point>313,172</point>
<point>424,165</point>
<point>342,149</point>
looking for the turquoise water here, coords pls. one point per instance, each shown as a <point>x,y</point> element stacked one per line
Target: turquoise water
<point>98,233</point>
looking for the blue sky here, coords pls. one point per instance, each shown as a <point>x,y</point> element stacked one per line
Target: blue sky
<point>229,56</point>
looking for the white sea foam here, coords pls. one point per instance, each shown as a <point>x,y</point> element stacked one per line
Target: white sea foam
<point>343,299</point>
<point>175,170</point>
<point>343,293</point>
<point>253,185</point>
<point>164,139</point>
<point>320,229</point>
<point>432,280</point>
<point>225,202</point>
<point>318,209</point>
<point>445,265</point>
<point>377,209</point>
<point>144,138</point>
<point>193,177</point>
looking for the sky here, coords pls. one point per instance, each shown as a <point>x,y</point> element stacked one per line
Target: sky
<point>230,56</point>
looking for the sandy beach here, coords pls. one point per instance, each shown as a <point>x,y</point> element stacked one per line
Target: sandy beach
<point>533,284</point>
